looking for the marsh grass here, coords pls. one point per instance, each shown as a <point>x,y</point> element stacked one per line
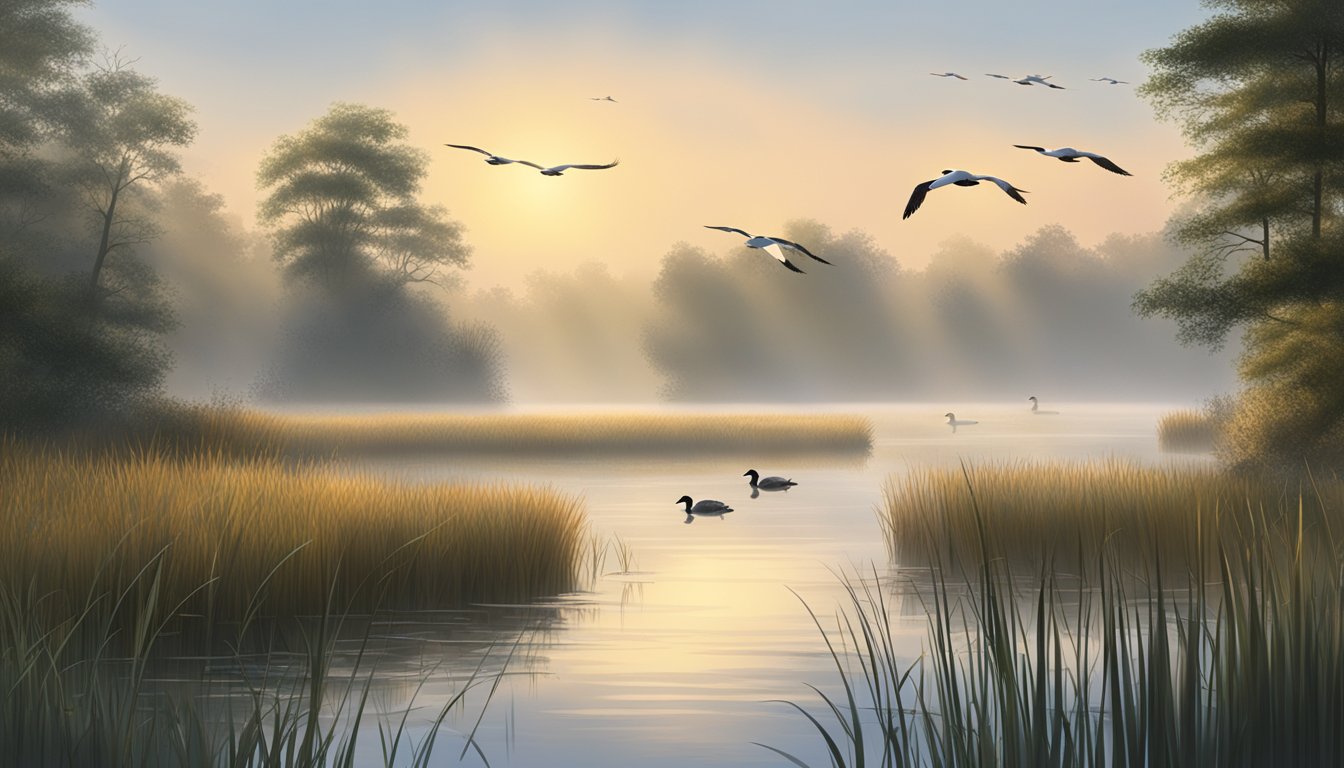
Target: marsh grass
<point>240,432</point>
<point>1062,513</point>
<point>240,538</point>
<point>1196,430</point>
<point>71,701</point>
<point>106,558</point>
<point>1235,659</point>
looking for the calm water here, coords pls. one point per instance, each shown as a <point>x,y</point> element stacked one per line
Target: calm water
<point>674,663</point>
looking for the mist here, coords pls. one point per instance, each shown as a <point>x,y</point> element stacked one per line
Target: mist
<point>1049,317</point>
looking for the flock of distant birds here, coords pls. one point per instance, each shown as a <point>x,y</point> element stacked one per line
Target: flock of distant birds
<point>716,508</point>
<point>780,248</point>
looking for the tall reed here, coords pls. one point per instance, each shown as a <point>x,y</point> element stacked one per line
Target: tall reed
<point>1235,658</point>
<point>1062,512</point>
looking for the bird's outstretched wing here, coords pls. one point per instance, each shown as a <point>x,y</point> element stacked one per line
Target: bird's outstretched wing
<point>578,167</point>
<point>1108,165</point>
<point>529,164</point>
<point>731,229</point>
<point>1012,191</point>
<point>917,198</point>
<point>473,149</point>
<point>1001,77</point>
<point>797,247</point>
<point>1025,146</point>
<point>774,250</point>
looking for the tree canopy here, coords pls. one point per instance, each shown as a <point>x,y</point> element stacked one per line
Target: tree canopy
<point>1259,91</point>
<point>342,202</point>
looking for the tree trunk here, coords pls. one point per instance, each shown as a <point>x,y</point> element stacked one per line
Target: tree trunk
<point>1264,237</point>
<point>104,244</point>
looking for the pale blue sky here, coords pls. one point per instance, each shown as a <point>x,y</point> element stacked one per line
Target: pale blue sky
<point>739,111</point>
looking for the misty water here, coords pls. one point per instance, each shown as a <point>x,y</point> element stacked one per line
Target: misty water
<point>675,662</point>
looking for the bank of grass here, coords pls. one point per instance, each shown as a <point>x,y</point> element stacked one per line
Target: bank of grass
<point>108,556</point>
<point>1233,656</point>
<point>1062,513</point>
<point>249,432</point>
<point>234,536</point>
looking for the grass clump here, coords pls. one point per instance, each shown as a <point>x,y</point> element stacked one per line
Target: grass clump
<point>1235,658</point>
<point>248,432</point>
<point>223,530</point>
<point>1051,512</point>
<point>1195,430</point>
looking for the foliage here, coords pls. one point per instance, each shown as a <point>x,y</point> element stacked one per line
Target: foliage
<point>342,204</point>
<point>1259,89</point>
<point>63,361</point>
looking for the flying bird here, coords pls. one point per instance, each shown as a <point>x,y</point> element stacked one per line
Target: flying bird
<point>948,74</point>
<point>602,98</point>
<point>556,170</point>
<point>1071,155</point>
<point>961,179</point>
<point>490,158</point>
<point>772,245</point>
<point>1029,80</point>
<point>1110,80</point>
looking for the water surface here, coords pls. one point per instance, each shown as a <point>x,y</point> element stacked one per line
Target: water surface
<point>675,664</point>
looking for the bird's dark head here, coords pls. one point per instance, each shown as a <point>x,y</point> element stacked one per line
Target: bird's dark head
<point>948,415</point>
<point>751,473</point>
<point>684,500</point>
<point>1032,398</point>
<point>946,171</point>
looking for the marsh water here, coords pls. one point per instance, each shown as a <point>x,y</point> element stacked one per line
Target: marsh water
<point>692,632</point>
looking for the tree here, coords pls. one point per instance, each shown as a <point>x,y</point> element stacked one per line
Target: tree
<point>342,202</point>
<point>40,45</point>
<point>356,243</point>
<point>122,134</point>
<point>1259,88</point>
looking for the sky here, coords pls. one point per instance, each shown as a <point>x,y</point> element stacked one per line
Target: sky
<point>745,114</point>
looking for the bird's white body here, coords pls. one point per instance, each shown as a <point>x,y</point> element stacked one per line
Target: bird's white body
<point>1029,80</point>
<point>1071,155</point>
<point>772,245</point>
<point>961,179</point>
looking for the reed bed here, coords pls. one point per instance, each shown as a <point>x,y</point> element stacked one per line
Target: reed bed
<point>249,432</point>
<point>232,538</point>
<point>1038,512</point>
<point>1232,657</point>
<point>1188,431</point>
